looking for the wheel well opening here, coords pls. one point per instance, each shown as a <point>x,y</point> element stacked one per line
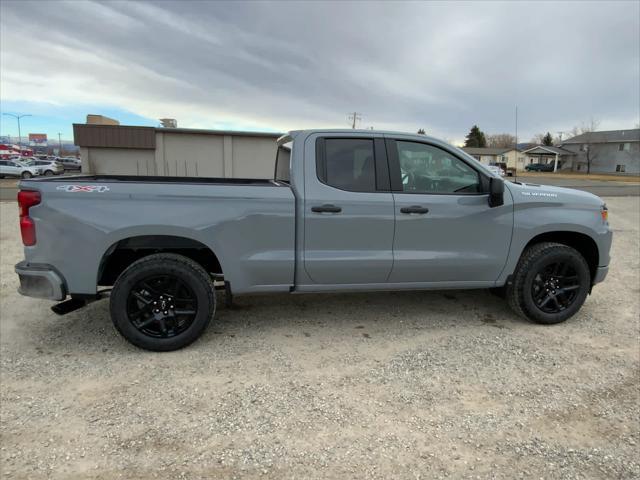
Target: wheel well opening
<point>123,253</point>
<point>581,242</point>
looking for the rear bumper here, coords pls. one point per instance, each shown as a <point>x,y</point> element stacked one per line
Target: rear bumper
<point>40,281</point>
<point>601,274</point>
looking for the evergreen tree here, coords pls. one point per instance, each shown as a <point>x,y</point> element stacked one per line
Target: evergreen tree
<point>475,138</point>
<point>547,140</point>
<point>421,132</point>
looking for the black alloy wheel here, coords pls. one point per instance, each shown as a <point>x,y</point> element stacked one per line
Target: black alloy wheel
<point>161,306</point>
<point>555,287</point>
<point>162,302</point>
<point>550,283</point>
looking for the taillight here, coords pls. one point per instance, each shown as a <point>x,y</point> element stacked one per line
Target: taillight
<point>26,200</point>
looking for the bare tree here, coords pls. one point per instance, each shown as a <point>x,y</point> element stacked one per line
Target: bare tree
<point>587,129</point>
<point>538,138</point>
<point>501,140</point>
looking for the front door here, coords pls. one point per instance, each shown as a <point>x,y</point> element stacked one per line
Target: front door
<point>348,210</point>
<point>445,229</point>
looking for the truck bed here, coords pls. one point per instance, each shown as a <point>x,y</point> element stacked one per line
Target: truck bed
<point>81,218</point>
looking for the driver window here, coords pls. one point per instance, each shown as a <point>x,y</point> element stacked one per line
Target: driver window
<point>429,169</point>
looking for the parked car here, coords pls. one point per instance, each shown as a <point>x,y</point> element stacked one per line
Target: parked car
<point>48,167</point>
<point>70,163</point>
<point>14,168</point>
<point>346,211</point>
<point>496,170</point>
<point>539,167</point>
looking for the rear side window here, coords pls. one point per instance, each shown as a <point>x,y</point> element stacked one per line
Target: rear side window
<point>283,159</point>
<point>346,163</point>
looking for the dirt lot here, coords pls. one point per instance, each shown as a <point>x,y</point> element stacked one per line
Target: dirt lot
<point>381,385</point>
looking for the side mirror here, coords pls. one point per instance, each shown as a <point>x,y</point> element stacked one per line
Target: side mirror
<point>496,192</point>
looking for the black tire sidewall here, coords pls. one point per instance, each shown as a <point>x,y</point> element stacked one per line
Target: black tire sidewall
<point>49,173</point>
<point>136,272</point>
<point>26,175</point>
<point>564,254</point>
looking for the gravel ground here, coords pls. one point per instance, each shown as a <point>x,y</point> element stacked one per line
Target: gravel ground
<point>380,385</point>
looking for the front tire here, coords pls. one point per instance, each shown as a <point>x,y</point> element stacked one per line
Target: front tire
<point>162,302</point>
<point>26,175</point>
<point>48,173</point>
<point>550,284</point>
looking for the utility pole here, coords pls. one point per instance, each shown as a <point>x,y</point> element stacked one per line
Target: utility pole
<point>515,174</point>
<point>354,117</point>
<point>60,147</point>
<point>18,117</point>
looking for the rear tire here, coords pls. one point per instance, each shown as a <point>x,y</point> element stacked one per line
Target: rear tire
<point>26,175</point>
<point>162,302</point>
<point>550,283</point>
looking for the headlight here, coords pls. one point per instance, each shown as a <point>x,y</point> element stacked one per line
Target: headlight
<point>604,212</point>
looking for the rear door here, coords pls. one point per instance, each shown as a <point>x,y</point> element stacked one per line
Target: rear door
<point>445,229</point>
<point>13,169</point>
<point>348,210</point>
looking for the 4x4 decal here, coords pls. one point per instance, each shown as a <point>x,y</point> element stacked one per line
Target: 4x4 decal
<point>83,188</point>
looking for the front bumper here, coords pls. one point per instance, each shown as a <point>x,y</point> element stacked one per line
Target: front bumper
<point>601,274</point>
<point>40,281</point>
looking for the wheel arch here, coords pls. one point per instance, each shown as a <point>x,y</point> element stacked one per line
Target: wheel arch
<point>123,252</point>
<point>583,243</point>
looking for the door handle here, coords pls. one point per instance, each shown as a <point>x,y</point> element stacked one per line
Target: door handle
<point>327,207</point>
<point>415,209</point>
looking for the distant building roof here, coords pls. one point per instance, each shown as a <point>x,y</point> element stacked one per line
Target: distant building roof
<point>93,119</point>
<point>485,150</point>
<point>547,149</point>
<point>129,136</point>
<point>525,145</point>
<point>609,136</point>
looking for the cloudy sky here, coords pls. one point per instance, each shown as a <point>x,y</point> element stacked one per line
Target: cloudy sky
<point>441,66</point>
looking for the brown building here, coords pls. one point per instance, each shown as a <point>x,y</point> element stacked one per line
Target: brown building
<point>133,150</point>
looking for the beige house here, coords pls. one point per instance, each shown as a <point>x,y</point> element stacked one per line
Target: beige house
<point>182,152</point>
<point>488,155</point>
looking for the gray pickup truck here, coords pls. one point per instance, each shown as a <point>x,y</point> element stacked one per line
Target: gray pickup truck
<point>347,210</point>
